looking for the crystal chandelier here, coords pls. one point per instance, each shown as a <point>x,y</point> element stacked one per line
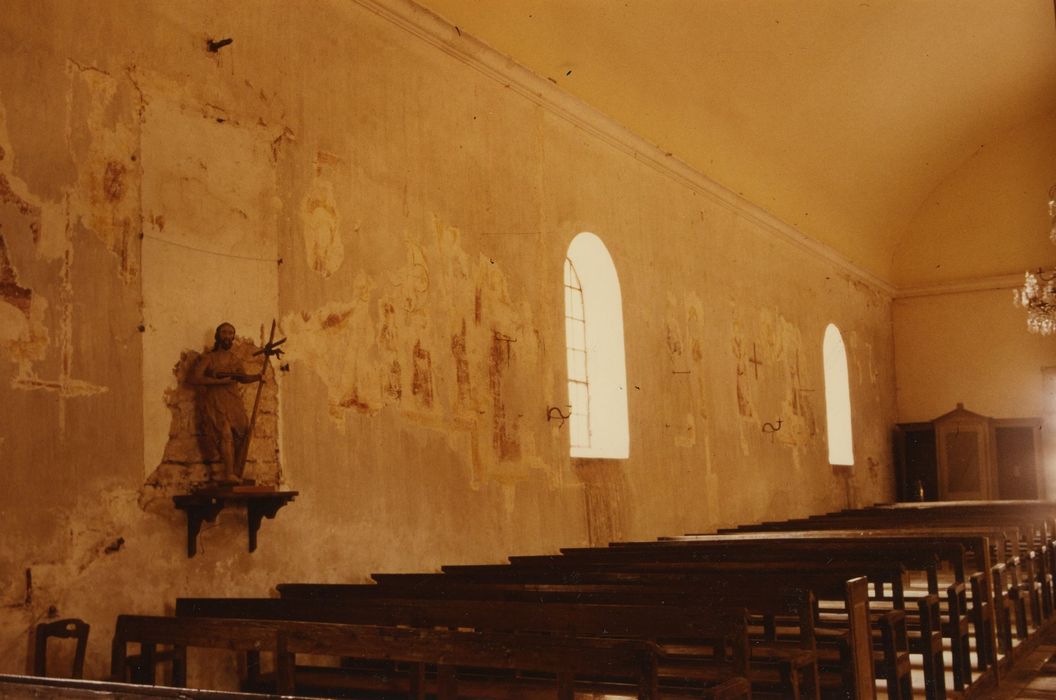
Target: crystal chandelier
<point>1038,293</point>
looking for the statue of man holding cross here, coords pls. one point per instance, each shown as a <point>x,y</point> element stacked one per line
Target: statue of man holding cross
<point>218,374</point>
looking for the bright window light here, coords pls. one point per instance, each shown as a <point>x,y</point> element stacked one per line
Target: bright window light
<point>597,374</point>
<point>837,398</point>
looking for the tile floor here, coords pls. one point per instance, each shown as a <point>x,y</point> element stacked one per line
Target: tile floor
<point>1032,678</point>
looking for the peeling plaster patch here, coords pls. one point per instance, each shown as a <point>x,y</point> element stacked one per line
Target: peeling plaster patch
<point>334,341</point>
<point>23,335</point>
<point>8,196</point>
<point>63,387</point>
<point>46,220</point>
<point>10,291</point>
<point>378,349</point>
<point>320,220</point>
<point>103,134</point>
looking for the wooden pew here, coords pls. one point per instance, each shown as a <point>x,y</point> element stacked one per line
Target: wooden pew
<point>16,687</point>
<point>985,617</point>
<point>1036,521</point>
<point>1027,559</point>
<point>1033,521</point>
<point>150,632</point>
<point>856,665</point>
<point>705,623</point>
<point>1006,533</point>
<point>916,549</point>
<point>792,661</point>
<point>1041,513</point>
<point>919,552</point>
<point>564,657</point>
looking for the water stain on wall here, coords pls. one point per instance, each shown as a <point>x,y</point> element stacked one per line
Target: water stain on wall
<point>104,138</point>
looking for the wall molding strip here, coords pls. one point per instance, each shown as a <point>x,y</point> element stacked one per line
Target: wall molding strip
<point>979,284</point>
<point>436,31</point>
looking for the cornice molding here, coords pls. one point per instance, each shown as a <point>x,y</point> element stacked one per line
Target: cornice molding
<point>978,284</point>
<point>434,30</point>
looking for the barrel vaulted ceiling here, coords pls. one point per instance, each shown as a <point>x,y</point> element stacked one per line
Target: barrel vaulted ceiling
<point>862,123</point>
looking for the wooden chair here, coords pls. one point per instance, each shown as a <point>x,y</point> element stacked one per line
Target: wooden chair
<point>70,628</point>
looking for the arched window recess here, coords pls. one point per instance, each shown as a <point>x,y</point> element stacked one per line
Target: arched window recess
<point>597,375</point>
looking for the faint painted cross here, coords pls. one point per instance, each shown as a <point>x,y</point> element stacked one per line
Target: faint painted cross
<point>755,361</point>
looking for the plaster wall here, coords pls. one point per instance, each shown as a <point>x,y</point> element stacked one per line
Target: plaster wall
<point>974,348</point>
<point>963,341</point>
<point>988,216</point>
<point>971,348</point>
<point>403,212</point>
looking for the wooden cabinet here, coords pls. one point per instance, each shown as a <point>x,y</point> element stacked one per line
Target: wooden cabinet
<point>964,456</point>
<point>917,475</point>
<point>1017,447</point>
<point>963,450</point>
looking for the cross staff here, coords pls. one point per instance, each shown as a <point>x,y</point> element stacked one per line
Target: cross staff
<point>269,349</point>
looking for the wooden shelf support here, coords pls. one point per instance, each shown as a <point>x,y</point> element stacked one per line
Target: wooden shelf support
<point>204,505</point>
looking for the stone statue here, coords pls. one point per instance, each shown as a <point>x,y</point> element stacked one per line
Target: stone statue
<point>218,374</point>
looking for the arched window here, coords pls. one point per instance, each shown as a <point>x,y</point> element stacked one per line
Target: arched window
<point>837,398</point>
<point>597,374</point>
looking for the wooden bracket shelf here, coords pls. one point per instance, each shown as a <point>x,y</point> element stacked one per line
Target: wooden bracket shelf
<point>204,505</point>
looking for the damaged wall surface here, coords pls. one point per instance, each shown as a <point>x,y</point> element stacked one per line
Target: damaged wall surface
<point>404,215</point>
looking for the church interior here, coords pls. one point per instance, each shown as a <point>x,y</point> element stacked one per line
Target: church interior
<point>519,276</point>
